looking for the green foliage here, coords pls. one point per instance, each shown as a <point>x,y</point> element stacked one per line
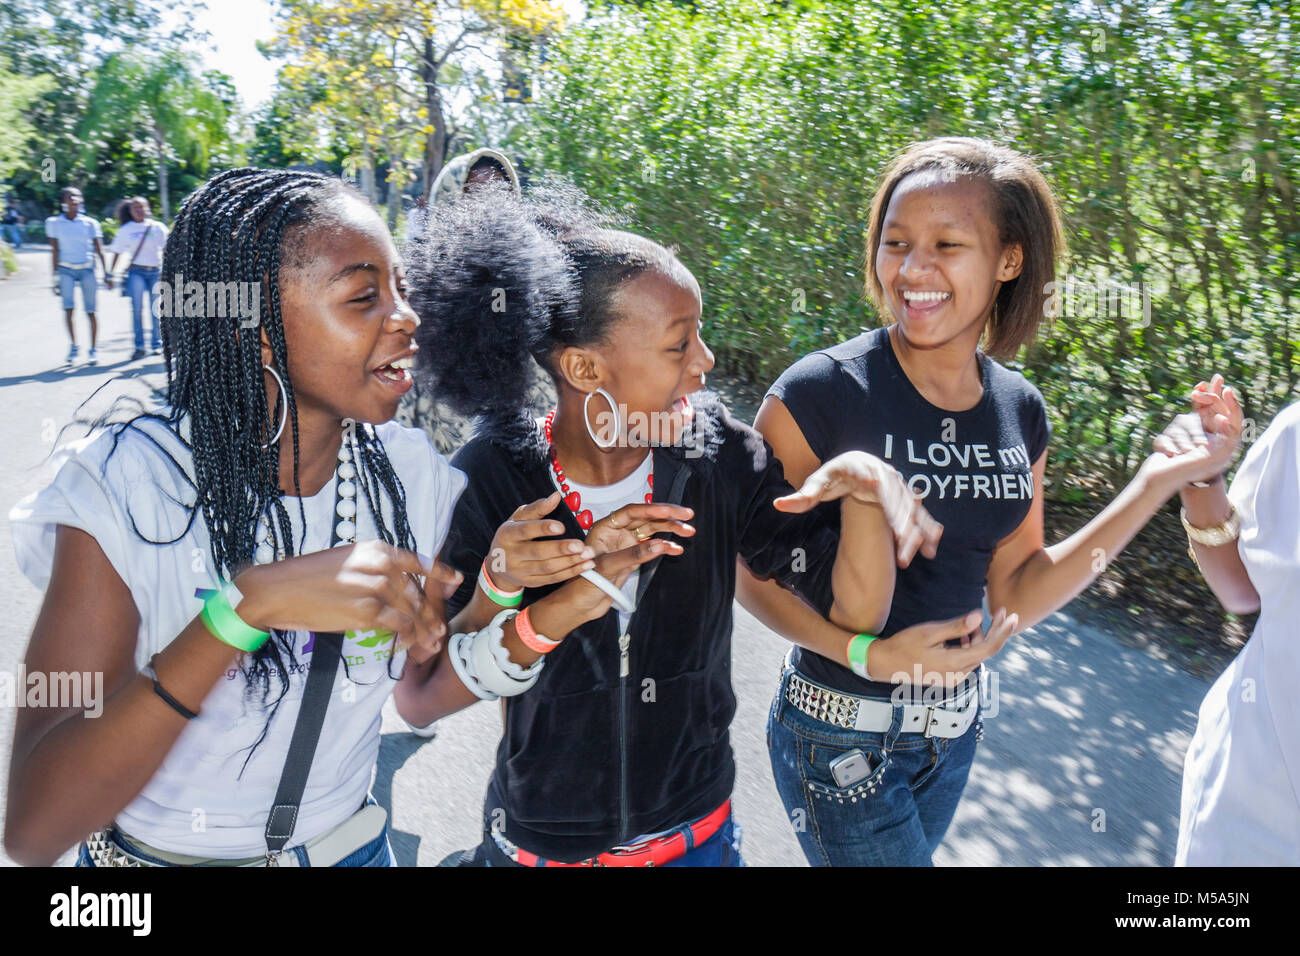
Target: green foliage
<point>164,100</point>
<point>752,134</point>
<point>17,93</point>
<point>70,40</point>
<point>8,261</point>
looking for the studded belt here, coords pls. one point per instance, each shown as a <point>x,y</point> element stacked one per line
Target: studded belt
<point>876,716</point>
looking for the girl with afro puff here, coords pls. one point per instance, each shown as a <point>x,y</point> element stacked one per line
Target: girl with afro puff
<point>602,539</point>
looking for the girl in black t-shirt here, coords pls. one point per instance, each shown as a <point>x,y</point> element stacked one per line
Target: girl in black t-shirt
<point>871,747</point>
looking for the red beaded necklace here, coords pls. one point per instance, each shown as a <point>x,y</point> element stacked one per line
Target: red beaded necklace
<point>573,498</point>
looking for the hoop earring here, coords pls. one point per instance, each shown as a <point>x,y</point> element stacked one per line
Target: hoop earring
<point>618,428</point>
<point>284,407</point>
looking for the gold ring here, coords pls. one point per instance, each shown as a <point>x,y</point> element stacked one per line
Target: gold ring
<point>637,531</point>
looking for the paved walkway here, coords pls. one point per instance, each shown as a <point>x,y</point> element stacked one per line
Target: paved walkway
<point>1088,731</point>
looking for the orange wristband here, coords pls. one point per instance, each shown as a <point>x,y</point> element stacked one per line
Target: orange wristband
<point>532,640</point>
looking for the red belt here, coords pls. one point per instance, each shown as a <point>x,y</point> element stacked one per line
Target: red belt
<point>654,852</point>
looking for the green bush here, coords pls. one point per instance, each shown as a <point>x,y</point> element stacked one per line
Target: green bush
<point>8,261</point>
<point>752,134</point>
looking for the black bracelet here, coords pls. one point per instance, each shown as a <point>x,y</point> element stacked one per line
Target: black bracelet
<point>158,689</point>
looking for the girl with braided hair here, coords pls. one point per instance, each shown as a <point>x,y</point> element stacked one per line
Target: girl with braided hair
<point>211,557</point>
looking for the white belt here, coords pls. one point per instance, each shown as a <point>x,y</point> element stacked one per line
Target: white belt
<point>352,834</point>
<point>69,265</point>
<point>877,716</point>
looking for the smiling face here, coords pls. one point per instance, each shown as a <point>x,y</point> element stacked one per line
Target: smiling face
<point>347,325</point>
<point>654,356</point>
<point>139,211</point>
<point>940,260</point>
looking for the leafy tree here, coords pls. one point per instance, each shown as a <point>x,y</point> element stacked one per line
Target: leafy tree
<point>17,93</point>
<point>752,134</point>
<point>166,98</point>
<point>68,39</point>
<point>390,68</point>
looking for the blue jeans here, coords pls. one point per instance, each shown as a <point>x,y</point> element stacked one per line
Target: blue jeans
<point>721,849</point>
<point>69,279</point>
<point>918,782</point>
<point>15,234</point>
<point>142,281</point>
<point>377,852</point>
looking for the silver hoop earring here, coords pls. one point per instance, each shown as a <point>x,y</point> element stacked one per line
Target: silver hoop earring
<point>618,427</point>
<point>284,406</point>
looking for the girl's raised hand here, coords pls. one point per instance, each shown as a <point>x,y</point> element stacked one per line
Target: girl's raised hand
<point>1199,445</point>
<point>516,559</point>
<point>439,585</point>
<point>634,523</point>
<point>588,602</point>
<point>868,479</point>
<point>353,587</point>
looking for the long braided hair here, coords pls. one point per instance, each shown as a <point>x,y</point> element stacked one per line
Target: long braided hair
<point>243,226</point>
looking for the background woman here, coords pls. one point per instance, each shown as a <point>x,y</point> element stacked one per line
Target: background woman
<point>141,238</point>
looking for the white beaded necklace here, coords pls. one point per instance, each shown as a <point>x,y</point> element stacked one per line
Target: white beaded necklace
<point>345,504</point>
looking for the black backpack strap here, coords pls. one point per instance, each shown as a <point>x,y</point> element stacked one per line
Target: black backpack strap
<point>326,654</point>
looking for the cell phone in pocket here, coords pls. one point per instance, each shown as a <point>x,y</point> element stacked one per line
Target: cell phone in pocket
<point>850,768</point>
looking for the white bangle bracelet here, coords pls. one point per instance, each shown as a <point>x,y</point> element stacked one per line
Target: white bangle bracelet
<point>458,650</point>
<point>617,596</point>
<point>477,659</point>
<point>488,671</point>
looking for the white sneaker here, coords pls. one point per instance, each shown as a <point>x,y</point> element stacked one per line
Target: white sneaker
<point>72,353</point>
<point>92,358</point>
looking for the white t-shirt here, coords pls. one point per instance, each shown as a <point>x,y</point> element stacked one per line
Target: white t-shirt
<point>128,239</point>
<point>199,802</point>
<point>76,237</point>
<point>603,500</point>
<point>1241,777</point>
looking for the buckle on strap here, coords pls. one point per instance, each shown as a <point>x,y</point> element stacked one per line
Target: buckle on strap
<point>929,721</point>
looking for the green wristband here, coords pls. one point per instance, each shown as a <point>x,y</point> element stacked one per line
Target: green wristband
<point>858,645</point>
<point>227,626</point>
<point>499,598</point>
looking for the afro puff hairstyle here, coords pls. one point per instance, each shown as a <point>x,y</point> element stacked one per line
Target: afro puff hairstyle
<point>501,281</point>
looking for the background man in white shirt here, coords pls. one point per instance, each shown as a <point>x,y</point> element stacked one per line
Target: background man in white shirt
<point>73,237</point>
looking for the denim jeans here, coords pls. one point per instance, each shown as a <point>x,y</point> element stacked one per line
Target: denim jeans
<point>141,281</point>
<point>378,852</point>
<point>69,279</point>
<point>918,782</point>
<point>721,849</point>
<point>15,234</point>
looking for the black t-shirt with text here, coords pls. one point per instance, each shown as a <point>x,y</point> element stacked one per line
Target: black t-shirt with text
<point>973,469</point>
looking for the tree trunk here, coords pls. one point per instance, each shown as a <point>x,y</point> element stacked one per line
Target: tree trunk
<point>368,174</point>
<point>164,201</point>
<point>435,143</point>
<point>396,179</point>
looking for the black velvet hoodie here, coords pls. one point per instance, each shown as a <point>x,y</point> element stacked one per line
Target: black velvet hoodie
<point>590,759</point>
